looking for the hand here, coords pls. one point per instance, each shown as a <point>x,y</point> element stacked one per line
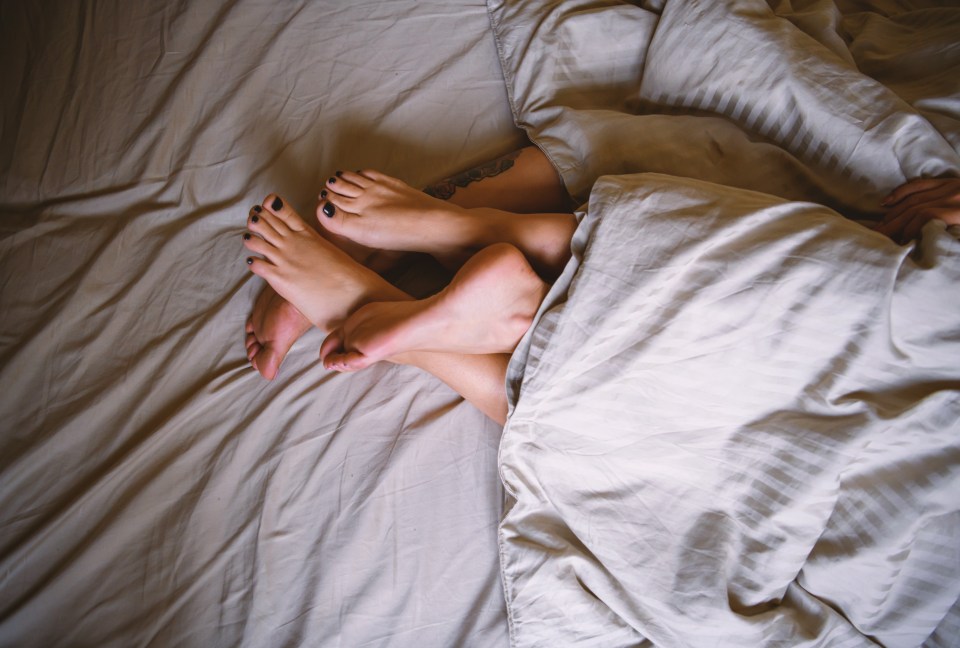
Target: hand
<point>913,204</point>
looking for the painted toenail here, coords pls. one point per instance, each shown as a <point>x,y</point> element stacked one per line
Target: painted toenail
<point>257,208</point>
<point>254,219</point>
<point>323,193</point>
<point>332,180</point>
<point>246,237</point>
<point>249,260</point>
<point>339,173</point>
<point>329,209</point>
<point>277,204</point>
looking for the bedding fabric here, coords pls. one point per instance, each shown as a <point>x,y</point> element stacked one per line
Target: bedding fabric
<point>735,421</point>
<point>154,490</point>
<point>736,424</point>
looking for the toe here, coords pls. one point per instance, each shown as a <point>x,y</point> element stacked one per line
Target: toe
<point>355,178</point>
<point>343,187</point>
<point>263,224</point>
<point>267,362</point>
<point>258,245</point>
<point>261,267</point>
<point>335,219</point>
<point>375,176</point>
<point>280,210</point>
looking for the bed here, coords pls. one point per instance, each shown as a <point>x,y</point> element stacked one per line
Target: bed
<point>733,422</point>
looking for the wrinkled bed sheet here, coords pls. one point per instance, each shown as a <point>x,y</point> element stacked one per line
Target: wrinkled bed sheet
<point>154,490</point>
<point>735,421</point>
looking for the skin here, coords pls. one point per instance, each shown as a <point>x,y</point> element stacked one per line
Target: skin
<point>486,309</point>
<point>527,184</point>
<point>381,212</point>
<point>914,204</point>
<point>370,320</point>
<point>462,335</point>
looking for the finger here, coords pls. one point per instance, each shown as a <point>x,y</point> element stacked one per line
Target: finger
<point>253,351</point>
<point>910,188</point>
<point>249,327</point>
<point>250,339</point>
<point>942,193</point>
<point>911,230</point>
<point>893,228</point>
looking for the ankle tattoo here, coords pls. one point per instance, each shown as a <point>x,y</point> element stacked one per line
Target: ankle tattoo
<point>446,188</point>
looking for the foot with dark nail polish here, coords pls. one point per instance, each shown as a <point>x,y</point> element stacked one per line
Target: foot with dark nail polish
<point>384,213</point>
<point>289,254</point>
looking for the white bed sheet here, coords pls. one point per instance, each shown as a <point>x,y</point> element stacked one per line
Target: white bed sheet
<point>154,490</point>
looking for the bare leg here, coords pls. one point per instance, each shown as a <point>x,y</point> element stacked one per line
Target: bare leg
<point>478,378</point>
<point>284,239</point>
<point>487,308</point>
<point>523,181</point>
<point>381,212</point>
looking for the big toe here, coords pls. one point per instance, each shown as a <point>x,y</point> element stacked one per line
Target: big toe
<point>284,211</point>
<point>267,361</point>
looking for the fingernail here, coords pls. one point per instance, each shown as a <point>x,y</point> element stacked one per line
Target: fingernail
<point>332,180</point>
<point>277,204</point>
<point>254,219</point>
<point>249,260</point>
<point>323,193</point>
<point>257,208</point>
<point>246,237</point>
<point>329,209</point>
<point>339,173</point>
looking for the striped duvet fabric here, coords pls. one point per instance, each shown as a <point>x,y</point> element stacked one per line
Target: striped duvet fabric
<point>735,421</point>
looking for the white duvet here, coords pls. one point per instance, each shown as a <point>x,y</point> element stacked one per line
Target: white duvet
<point>738,425</point>
<point>735,422</point>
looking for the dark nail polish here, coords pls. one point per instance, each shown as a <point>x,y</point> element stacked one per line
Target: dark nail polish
<point>329,209</point>
<point>257,208</point>
<point>339,173</point>
<point>277,204</point>
<point>323,193</point>
<point>254,219</point>
<point>249,260</point>
<point>332,180</point>
<point>246,237</point>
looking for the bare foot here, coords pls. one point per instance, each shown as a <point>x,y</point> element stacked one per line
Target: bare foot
<point>381,212</point>
<point>274,325</point>
<point>486,309</point>
<point>378,211</point>
<point>321,281</point>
